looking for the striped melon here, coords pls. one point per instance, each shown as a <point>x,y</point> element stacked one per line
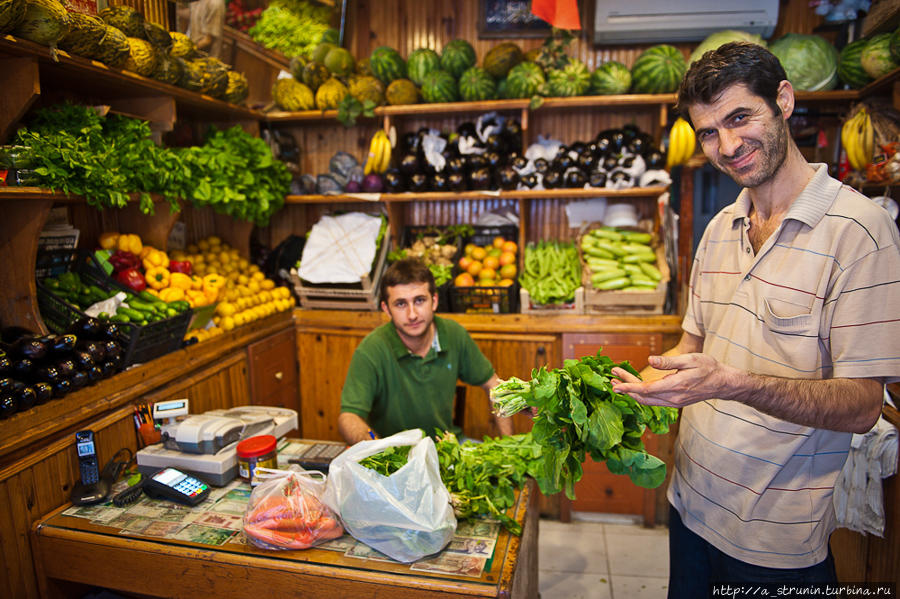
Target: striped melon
<point>875,57</point>
<point>420,62</point>
<point>45,22</point>
<point>158,36</point>
<point>476,85</point>
<point>168,69</point>
<point>501,58</point>
<point>457,56</point>
<point>849,69</point>
<point>85,33</point>
<point>895,45</point>
<point>367,88</point>
<point>114,48</point>
<point>11,13</point>
<point>387,64</point>
<point>142,57</point>
<point>340,62</point>
<point>611,77</point>
<point>237,89</point>
<point>524,80</point>
<point>330,94</point>
<point>440,86</point>
<point>291,95</point>
<point>574,79</point>
<point>182,46</point>
<point>658,70</point>
<point>125,19</point>
<point>314,75</point>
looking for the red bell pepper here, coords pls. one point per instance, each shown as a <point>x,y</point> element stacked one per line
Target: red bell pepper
<point>132,278</point>
<point>183,266</point>
<point>122,260</point>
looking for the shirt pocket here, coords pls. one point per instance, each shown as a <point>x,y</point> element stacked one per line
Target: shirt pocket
<point>788,315</point>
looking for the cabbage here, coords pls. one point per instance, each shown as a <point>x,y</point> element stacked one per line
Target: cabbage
<point>809,61</point>
<point>714,40</point>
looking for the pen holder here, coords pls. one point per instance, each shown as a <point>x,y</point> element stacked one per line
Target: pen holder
<point>149,434</point>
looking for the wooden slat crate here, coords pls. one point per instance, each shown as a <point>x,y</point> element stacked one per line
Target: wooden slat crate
<point>628,302</point>
<point>360,296</point>
<point>526,306</point>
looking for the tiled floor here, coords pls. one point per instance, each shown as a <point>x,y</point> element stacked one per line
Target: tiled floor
<point>602,557</point>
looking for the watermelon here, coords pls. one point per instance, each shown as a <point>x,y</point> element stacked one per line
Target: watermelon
<point>875,57</point>
<point>457,56</point>
<point>849,69</point>
<point>387,64</point>
<point>611,77</point>
<point>658,70</point>
<point>895,45</point>
<point>574,79</point>
<point>501,89</point>
<point>524,80</point>
<point>420,62</point>
<point>440,86</point>
<point>476,85</point>
<point>501,58</point>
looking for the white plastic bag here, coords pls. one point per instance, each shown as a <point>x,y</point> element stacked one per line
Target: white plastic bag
<point>406,515</point>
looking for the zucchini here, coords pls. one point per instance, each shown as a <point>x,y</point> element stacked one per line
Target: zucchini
<point>650,270</point>
<point>610,284</point>
<point>606,275</point>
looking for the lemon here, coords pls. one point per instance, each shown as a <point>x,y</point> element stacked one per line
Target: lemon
<point>214,240</point>
<point>253,286</point>
<point>227,323</point>
<point>226,309</point>
<point>243,279</point>
<point>239,319</point>
<point>267,284</point>
<point>203,245</point>
<point>257,276</point>
<point>253,268</point>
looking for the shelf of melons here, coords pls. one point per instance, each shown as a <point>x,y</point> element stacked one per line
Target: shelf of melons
<point>436,196</point>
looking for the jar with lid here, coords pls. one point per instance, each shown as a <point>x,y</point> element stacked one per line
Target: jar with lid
<point>258,451</point>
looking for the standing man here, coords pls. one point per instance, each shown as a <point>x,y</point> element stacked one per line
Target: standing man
<point>403,375</point>
<point>205,24</point>
<point>791,332</point>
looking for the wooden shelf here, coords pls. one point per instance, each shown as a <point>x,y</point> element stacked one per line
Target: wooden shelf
<point>437,196</point>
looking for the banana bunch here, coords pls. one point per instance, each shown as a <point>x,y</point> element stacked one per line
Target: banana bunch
<point>682,142</point>
<point>858,139</point>
<point>379,153</point>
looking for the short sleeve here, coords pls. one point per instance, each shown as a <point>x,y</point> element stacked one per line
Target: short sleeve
<point>474,367</point>
<point>360,386</point>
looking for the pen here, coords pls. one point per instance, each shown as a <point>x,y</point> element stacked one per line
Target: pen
<point>371,434</point>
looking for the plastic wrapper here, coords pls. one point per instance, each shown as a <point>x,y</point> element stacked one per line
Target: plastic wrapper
<point>406,515</point>
<point>285,511</point>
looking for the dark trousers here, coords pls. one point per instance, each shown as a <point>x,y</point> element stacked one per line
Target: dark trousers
<point>694,565</point>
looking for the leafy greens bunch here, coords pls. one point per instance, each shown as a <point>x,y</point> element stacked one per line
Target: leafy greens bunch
<point>293,27</point>
<point>578,414</point>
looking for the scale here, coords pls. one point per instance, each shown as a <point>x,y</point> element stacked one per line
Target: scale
<point>204,445</point>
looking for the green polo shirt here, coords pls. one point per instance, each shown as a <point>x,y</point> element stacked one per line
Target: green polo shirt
<point>395,390</point>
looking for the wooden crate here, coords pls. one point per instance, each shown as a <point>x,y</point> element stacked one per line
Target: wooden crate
<point>627,302</point>
<point>526,306</point>
<point>357,296</point>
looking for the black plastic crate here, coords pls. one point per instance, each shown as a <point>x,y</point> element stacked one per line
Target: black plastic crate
<point>485,300</point>
<point>50,263</point>
<point>484,234</point>
<point>141,343</point>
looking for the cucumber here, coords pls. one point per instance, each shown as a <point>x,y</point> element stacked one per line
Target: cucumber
<point>641,257</point>
<point>592,262</point>
<point>133,315</point>
<point>637,237</point>
<point>650,270</point>
<point>610,284</point>
<point>605,275</point>
<point>119,318</point>
<point>611,247</point>
<point>147,307</point>
<point>599,253</point>
<point>634,269</point>
<point>642,281</point>
<point>637,248</point>
<point>607,233</point>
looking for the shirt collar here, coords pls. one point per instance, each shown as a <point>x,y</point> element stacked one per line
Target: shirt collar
<point>400,350</point>
<point>809,206</point>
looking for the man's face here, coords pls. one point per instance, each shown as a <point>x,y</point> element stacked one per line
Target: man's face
<point>741,136</point>
<point>411,309</point>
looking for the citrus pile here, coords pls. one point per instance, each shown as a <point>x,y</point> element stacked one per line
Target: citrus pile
<point>492,265</point>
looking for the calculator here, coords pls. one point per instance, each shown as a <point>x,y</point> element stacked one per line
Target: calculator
<point>175,485</point>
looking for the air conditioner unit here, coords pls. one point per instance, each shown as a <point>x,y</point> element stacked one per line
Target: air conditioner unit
<point>652,21</point>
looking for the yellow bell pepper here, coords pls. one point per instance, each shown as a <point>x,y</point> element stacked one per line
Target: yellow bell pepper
<point>130,243</point>
<point>157,277</point>
<point>195,298</point>
<point>154,258</point>
<point>171,294</point>
<point>215,281</point>
<point>211,293</point>
<point>180,280</point>
<point>109,240</point>
<point>196,282</point>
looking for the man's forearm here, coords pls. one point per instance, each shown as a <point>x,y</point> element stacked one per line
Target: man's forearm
<point>850,405</point>
<point>353,428</point>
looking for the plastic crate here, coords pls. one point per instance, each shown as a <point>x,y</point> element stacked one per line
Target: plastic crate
<point>485,234</point>
<point>408,237</point>
<point>140,343</point>
<point>485,300</point>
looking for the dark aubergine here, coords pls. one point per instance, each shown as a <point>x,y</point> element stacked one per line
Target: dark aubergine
<point>597,179</point>
<point>114,350</point>
<point>61,388</point>
<point>22,368</point>
<point>617,141</point>
<point>637,145</point>
<point>47,374</point>
<point>617,176</point>
<point>5,363</point>
<point>96,349</point>
<point>456,181</point>
<point>43,391</point>
<point>495,143</point>
<point>63,344</point>
<point>578,147</point>
<point>480,178</point>
<point>66,367</point>
<point>111,331</point>
<point>507,178</point>
<point>586,162</point>
<point>409,164</point>
<point>79,379</point>
<point>574,178</point>
<point>24,396</point>
<point>30,347</point>
<point>6,385</point>
<point>94,373</point>
<point>541,165</point>
<point>87,327</point>
<point>627,162</point>
<point>475,162</point>
<point>83,359</point>
<point>494,160</point>
<point>438,182</point>
<point>108,368</point>
<point>394,182</point>
<point>563,162</point>
<point>457,164</point>
<point>655,159</point>
<point>520,163</point>
<point>409,143</point>
<point>418,182</point>
<point>530,180</point>
<point>609,163</point>
<point>553,179</point>
<point>603,146</point>
<point>7,406</point>
<point>467,129</point>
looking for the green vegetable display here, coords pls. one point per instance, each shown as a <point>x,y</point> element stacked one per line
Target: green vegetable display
<point>292,27</point>
<point>551,272</point>
<point>578,414</point>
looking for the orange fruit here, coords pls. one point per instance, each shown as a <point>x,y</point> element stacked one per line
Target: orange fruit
<point>474,268</point>
<point>464,262</point>
<point>492,262</point>
<point>463,279</point>
<point>499,241</point>
<point>492,251</point>
<point>487,273</point>
<point>469,248</point>
<point>507,258</point>
<point>478,253</point>
<point>510,246</point>
<point>508,271</point>
<point>505,282</point>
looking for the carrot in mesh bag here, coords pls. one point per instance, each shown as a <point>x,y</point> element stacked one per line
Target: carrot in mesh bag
<point>284,511</point>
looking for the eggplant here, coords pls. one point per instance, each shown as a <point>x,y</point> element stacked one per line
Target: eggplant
<point>578,147</point>
<point>586,162</point>
<point>467,129</point>
<point>24,396</point>
<point>96,349</point>
<point>563,162</point>
<point>457,164</point>
<point>602,140</point>
<point>83,359</point>
<point>409,164</point>
<point>111,331</point>
<point>438,182</point>
<point>107,368</point>
<point>394,182</point>
<point>61,388</point>
<point>94,373</point>
<point>636,145</point>
<point>43,392</point>
<point>418,182</point>
<point>494,160</point>
<point>6,385</point>
<point>507,178</point>
<point>553,179</point>
<point>619,180</point>
<point>617,141</point>
<point>495,143</point>
<point>480,178</point>
<point>47,374</point>
<point>409,143</point>
<point>113,350</point>
<point>597,179</point>
<point>63,344</point>
<point>456,181</point>
<point>87,327</point>
<point>626,162</point>
<point>609,163</point>
<point>574,178</point>
<point>475,162</point>
<point>30,347</point>
<point>7,406</point>
<point>520,163</point>
<point>530,180</point>
<point>79,379</point>
<point>22,368</point>
<point>5,363</point>
<point>630,131</point>
<point>66,367</point>
<point>541,165</point>
<point>655,160</point>
<point>512,134</point>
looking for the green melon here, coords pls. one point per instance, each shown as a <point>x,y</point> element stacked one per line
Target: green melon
<point>330,94</point>
<point>387,64</point>
<point>340,62</point>
<point>849,69</point>
<point>331,35</point>
<point>113,48</point>
<point>291,95</point>
<point>440,86</point>
<point>363,67</point>
<point>477,85</point>
<point>875,57</point>
<point>574,79</point>
<point>182,46</point>
<point>658,70</point>
<point>45,22</point>
<point>237,89</point>
<point>367,88</point>
<point>314,75</point>
<point>420,62</point>
<point>85,33</point>
<point>457,56</point>
<point>502,88</point>
<point>524,80</point>
<point>158,36</point>
<point>142,57</point>
<point>611,77</point>
<point>401,91</point>
<point>321,51</point>
<point>125,19</point>
<point>11,13</point>
<point>895,45</point>
<point>501,58</point>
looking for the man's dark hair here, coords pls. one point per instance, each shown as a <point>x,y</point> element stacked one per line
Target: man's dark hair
<point>731,64</point>
<point>404,272</point>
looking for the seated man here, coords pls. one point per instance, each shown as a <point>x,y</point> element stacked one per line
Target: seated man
<point>403,375</point>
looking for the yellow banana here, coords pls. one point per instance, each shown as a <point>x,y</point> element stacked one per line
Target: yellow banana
<point>386,153</point>
<point>372,158</point>
<point>849,140</point>
<point>867,138</point>
<point>682,143</point>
